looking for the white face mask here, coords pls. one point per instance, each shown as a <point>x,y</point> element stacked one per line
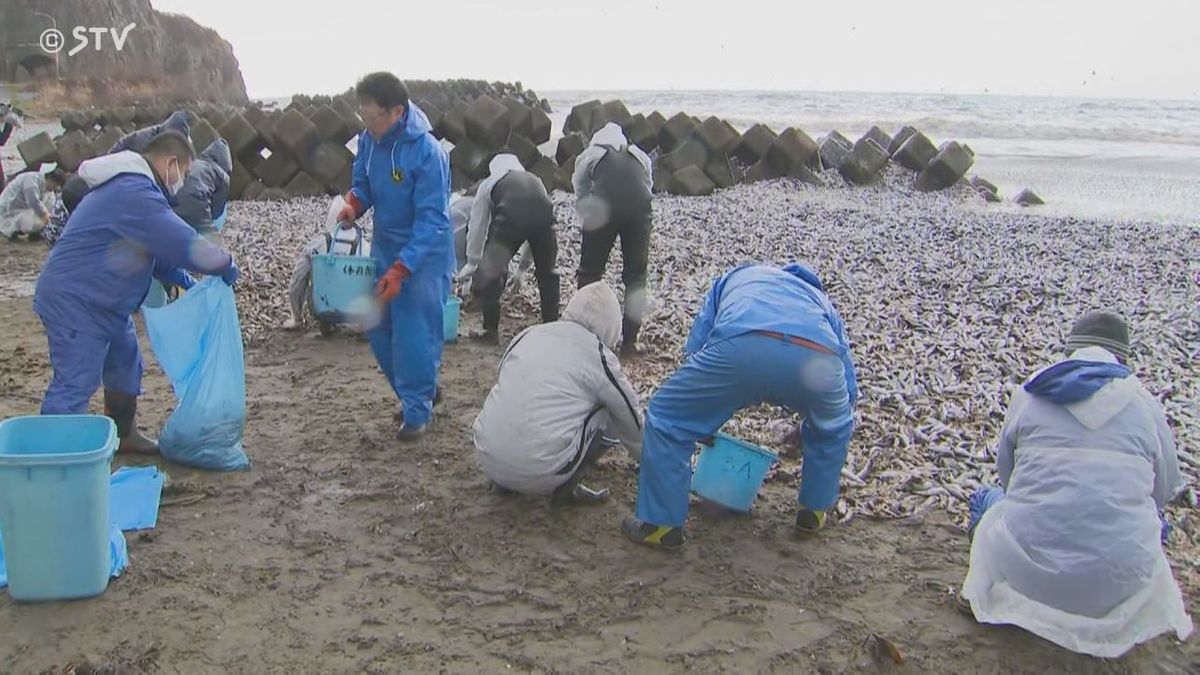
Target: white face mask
<point>174,186</point>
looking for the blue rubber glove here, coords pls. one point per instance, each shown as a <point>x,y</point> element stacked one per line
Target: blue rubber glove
<point>231,275</point>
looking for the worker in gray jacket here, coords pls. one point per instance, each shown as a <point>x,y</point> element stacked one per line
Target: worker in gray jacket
<point>613,182</point>
<point>559,392</point>
<point>511,208</point>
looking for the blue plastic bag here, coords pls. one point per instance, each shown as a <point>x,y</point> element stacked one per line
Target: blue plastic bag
<point>198,342</point>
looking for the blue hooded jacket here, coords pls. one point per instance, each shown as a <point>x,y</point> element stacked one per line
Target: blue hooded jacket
<point>1074,380</point>
<point>790,301</point>
<point>122,234</point>
<point>405,177</point>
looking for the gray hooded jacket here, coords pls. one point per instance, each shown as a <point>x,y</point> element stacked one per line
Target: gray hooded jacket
<point>206,188</point>
<point>559,385</point>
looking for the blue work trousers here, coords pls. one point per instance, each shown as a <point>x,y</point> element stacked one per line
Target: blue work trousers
<point>716,382</point>
<point>83,360</point>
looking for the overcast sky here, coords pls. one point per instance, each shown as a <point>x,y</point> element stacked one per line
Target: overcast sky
<point>1148,48</point>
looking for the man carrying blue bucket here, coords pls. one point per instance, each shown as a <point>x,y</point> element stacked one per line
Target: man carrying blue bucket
<point>764,335</point>
<point>402,172</point>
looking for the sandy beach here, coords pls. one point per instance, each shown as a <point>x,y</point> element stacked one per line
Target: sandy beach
<point>343,551</point>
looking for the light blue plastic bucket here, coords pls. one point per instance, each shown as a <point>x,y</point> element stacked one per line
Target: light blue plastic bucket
<point>54,521</point>
<point>156,296</point>
<point>450,315</point>
<point>343,287</point>
<point>731,472</point>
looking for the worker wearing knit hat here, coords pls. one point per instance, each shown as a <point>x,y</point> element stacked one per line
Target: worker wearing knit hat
<point>1100,329</point>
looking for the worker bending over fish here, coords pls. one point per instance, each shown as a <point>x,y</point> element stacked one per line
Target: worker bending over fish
<point>1070,548</point>
<point>764,335</point>
<point>560,395</point>
<point>120,237</point>
<point>511,209</point>
<point>612,182</point>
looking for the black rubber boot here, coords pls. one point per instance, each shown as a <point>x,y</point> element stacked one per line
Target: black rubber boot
<point>122,409</point>
<point>549,289</point>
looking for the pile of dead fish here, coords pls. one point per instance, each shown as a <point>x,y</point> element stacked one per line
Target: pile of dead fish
<point>949,305</point>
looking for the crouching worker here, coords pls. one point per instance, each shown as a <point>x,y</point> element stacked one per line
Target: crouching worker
<point>510,209</point>
<point>96,277</point>
<point>764,335</point>
<point>23,203</point>
<point>205,192</point>
<point>334,240</point>
<point>560,392</point>
<point>1071,549</point>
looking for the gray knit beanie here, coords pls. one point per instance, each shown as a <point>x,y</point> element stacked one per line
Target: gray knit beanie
<point>1100,329</point>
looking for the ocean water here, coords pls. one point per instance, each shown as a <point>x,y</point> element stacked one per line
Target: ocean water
<point>1115,158</point>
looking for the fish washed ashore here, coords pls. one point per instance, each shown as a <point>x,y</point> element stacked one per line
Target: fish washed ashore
<point>948,305</point>
<point>342,551</point>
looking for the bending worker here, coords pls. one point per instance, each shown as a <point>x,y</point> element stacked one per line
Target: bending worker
<point>511,208</point>
<point>1070,549</point>
<point>612,183</point>
<point>23,202</point>
<point>96,277</point>
<point>560,391</point>
<point>402,172</point>
<point>764,335</point>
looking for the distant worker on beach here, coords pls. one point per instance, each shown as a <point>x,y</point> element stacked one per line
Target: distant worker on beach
<point>613,182</point>
<point>121,236</point>
<point>460,218</point>
<point>764,335</point>
<point>511,208</point>
<point>1070,548</point>
<point>25,201</point>
<point>403,174</point>
<point>10,119</point>
<point>560,402</point>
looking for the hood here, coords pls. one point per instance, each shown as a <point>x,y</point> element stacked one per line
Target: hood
<point>1090,384</point>
<point>595,307</point>
<point>503,163</point>
<point>218,153</point>
<point>610,135</point>
<point>412,126</point>
<point>100,170</point>
<point>804,274</point>
<point>178,121</point>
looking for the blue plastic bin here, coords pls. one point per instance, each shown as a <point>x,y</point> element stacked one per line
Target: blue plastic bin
<point>343,288</point>
<point>54,521</point>
<point>731,472</point>
<point>450,315</point>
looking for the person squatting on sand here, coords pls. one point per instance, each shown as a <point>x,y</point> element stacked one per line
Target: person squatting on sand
<point>121,236</point>
<point>763,335</point>
<point>559,399</point>
<point>613,182</point>
<point>511,209</point>
<point>24,202</point>
<point>1070,548</point>
<point>403,174</point>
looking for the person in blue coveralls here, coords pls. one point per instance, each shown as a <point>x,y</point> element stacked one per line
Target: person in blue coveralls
<point>764,335</point>
<point>123,234</point>
<point>403,173</point>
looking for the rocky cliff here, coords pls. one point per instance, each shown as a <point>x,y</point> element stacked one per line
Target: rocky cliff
<point>165,57</point>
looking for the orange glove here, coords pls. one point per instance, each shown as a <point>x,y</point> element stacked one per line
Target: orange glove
<point>350,211</point>
<point>389,285</point>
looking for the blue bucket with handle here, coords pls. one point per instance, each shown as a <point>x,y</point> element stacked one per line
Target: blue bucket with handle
<point>730,472</point>
<point>450,314</point>
<point>343,286</point>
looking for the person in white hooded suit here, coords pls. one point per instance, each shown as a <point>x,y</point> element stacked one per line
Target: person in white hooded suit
<point>1070,549</point>
<point>559,393</point>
